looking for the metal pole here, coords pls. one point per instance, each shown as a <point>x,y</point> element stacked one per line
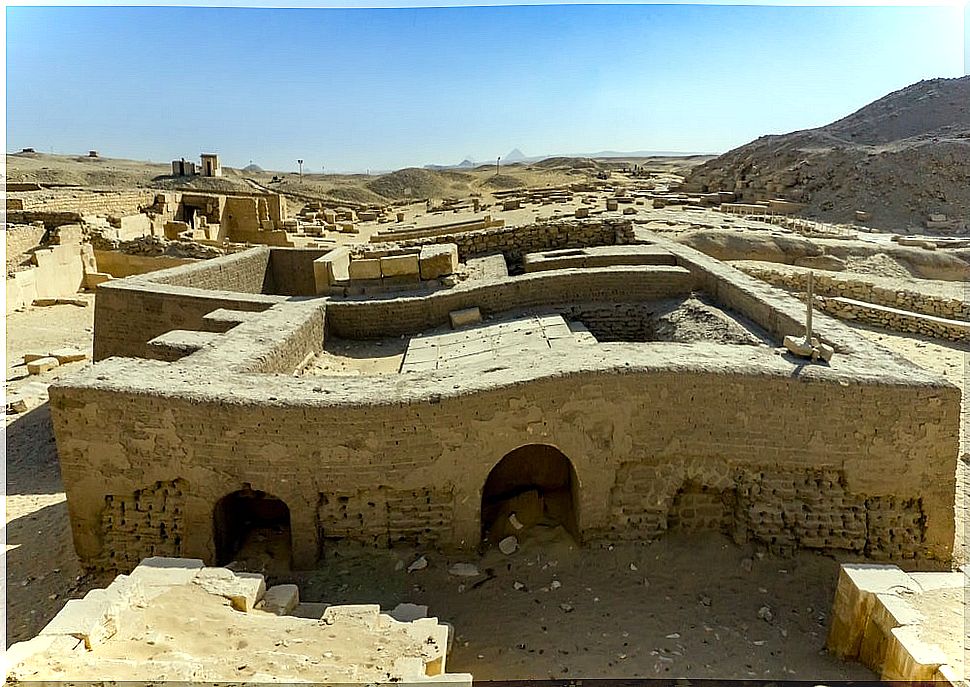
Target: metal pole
<point>808,314</point>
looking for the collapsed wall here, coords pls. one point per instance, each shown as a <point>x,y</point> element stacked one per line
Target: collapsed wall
<point>173,619</point>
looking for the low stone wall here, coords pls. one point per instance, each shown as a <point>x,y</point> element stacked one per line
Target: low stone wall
<point>120,265</point>
<point>856,288</point>
<point>855,456</point>
<point>895,319</point>
<point>516,242</point>
<point>367,319</point>
<point>244,272</point>
<point>104,203</point>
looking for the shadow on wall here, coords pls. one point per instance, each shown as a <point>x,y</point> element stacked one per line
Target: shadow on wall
<point>253,528</point>
<point>534,485</point>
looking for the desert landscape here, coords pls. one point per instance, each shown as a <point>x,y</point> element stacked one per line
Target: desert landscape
<point>625,416</point>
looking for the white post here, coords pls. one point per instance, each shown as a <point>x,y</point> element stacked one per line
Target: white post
<point>808,301</point>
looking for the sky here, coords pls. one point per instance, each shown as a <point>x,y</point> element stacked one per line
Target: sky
<point>377,89</point>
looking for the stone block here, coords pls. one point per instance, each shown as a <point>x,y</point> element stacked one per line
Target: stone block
<point>242,589</point>
<point>582,213</point>
<point>330,268</point>
<point>365,616</point>
<point>612,204</point>
<point>41,644</point>
<point>79,302</point>
<point>158,574</point>
<point>365,269</point>
<point>855,597</point>
<point>281,599</point>
<point>310,609</point>
<point>911,659</point>
<point>31,357</point>
<point>464,317</point>
<point>173,229</point>
<point>94,279</point>
<point>438,260</point>
<point>348,228</point>
<point>42,365</point>
<point>86,619</point>
<point>400,265</point>
<point>68,355</point>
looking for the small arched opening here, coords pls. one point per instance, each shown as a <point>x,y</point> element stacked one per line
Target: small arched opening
<point>534,485</point>
<point>252,527</point>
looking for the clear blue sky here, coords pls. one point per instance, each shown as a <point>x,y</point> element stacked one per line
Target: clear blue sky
<point>351,89</point>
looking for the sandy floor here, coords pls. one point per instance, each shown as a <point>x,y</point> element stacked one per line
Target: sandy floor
<point>695,606</point>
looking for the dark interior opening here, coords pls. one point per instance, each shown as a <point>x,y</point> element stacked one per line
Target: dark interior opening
<point>534,485</point>
<point>253,528</point>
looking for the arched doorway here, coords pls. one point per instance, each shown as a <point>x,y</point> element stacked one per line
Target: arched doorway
<point>253,527</point>
<point>537,485</point>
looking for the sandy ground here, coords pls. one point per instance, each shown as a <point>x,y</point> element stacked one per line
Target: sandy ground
<point>696,606</point>
<point>344,357</point>
<point>42,571</point>
<point>684,606</point>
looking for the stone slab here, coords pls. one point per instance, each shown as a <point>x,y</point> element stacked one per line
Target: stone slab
<point>42,365</point>
<point>438,260</point>
<point>365,269</point>
<point>243,590</point>
<point>400,265</point>
<point>464,317</point>
<point>281,599</point>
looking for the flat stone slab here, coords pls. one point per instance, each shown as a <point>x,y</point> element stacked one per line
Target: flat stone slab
<point>281,599</point>
<point>242,589</point>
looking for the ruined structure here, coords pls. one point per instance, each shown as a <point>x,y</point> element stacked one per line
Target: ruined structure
<point>173,619</point>
<point>621,391</point>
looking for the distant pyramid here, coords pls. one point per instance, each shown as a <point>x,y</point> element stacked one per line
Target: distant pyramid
<point>514,156</point>
<point>466,163</point>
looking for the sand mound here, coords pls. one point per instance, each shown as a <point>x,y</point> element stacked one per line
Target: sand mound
<point>900,158</point>
<point>504,181</point>
<point>413,182</point>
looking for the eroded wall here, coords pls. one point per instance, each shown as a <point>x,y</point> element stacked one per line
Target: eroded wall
<point>870,472</point>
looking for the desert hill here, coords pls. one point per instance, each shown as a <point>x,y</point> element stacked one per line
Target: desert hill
<point>900,158</point>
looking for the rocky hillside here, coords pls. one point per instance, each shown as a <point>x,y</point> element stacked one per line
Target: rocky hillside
<point>901,158</point>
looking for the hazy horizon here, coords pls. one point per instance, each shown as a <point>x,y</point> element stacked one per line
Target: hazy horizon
<point>378,89</point>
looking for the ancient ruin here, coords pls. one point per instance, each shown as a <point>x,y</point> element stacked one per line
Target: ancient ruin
<point>200,424</point>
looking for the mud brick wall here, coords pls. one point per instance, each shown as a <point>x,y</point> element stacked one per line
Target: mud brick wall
<point>613,321</point>
<point>515,242</point>
<point>126,319</point>
<point>873,471</point>
<point>385,517</point>
<point>149,520</point>
<point>244,272</point>
<point>130,313</point>
<point>392,317</point>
